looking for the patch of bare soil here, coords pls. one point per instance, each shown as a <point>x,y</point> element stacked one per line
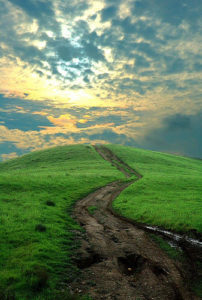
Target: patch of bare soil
<point>118,260</point>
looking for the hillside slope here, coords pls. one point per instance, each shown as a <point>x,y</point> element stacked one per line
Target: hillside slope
<point>37,192</point>
<point>169,193</point>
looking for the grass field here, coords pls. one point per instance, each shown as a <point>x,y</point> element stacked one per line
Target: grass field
<point>168,195</point>
<point>37,192</point>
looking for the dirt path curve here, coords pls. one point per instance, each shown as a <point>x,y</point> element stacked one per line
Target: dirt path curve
<point>118,260</point>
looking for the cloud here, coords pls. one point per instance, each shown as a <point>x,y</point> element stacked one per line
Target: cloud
<point>172,12</point>
<point>128,65</point>
<point>41,113</point>
<point>178,122</point>
<point>108,13</point>
<point>36,9</point>
<point>67,53</point>
<point>178,133</point>
<point>65,121</point>
<point>93,52</point>
<point>175,65</point>
<point>141,62</point>
<point>7,147</point>
<point>9,156</point>
<point>141,37</point>
<point>24,120</point>
<point>198,67</point>
<point>42,11</point>
<point>74,8</point>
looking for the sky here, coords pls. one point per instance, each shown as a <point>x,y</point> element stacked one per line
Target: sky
<point>89,71</point>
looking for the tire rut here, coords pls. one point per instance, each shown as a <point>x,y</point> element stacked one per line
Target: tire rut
<point>117,259</point>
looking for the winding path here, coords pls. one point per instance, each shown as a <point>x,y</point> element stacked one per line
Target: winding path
<point>118,260</point>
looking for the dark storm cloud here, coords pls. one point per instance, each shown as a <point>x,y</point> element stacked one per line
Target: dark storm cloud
<point>179,134</point>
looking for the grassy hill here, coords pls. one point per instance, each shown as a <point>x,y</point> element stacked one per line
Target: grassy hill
<point>168,195</point>
<point>37,193</point>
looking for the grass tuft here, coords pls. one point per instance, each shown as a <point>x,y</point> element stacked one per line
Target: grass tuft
<point>37,278</point>
<point>50,203</point>
<point>40,228</point>
<point>92,209</point>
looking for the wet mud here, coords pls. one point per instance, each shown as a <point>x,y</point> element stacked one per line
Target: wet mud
<point>119,260</point>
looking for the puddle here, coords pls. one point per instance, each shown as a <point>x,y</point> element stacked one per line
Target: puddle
<point>177,237</point>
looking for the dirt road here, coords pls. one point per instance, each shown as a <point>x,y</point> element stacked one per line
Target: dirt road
<point>118,260</point>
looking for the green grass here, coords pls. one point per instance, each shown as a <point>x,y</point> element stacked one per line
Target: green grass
<point>172,252</point>
<point>92,209</point>
<point>168,195</point>
<point>37,192</point>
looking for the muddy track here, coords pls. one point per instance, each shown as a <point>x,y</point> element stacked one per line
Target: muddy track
<point>117,259</point>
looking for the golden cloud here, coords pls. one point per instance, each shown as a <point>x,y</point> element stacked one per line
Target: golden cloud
<point>41,113</point>
<point>36,141</point>
<point>9,155</point>
<point>66,121</point>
